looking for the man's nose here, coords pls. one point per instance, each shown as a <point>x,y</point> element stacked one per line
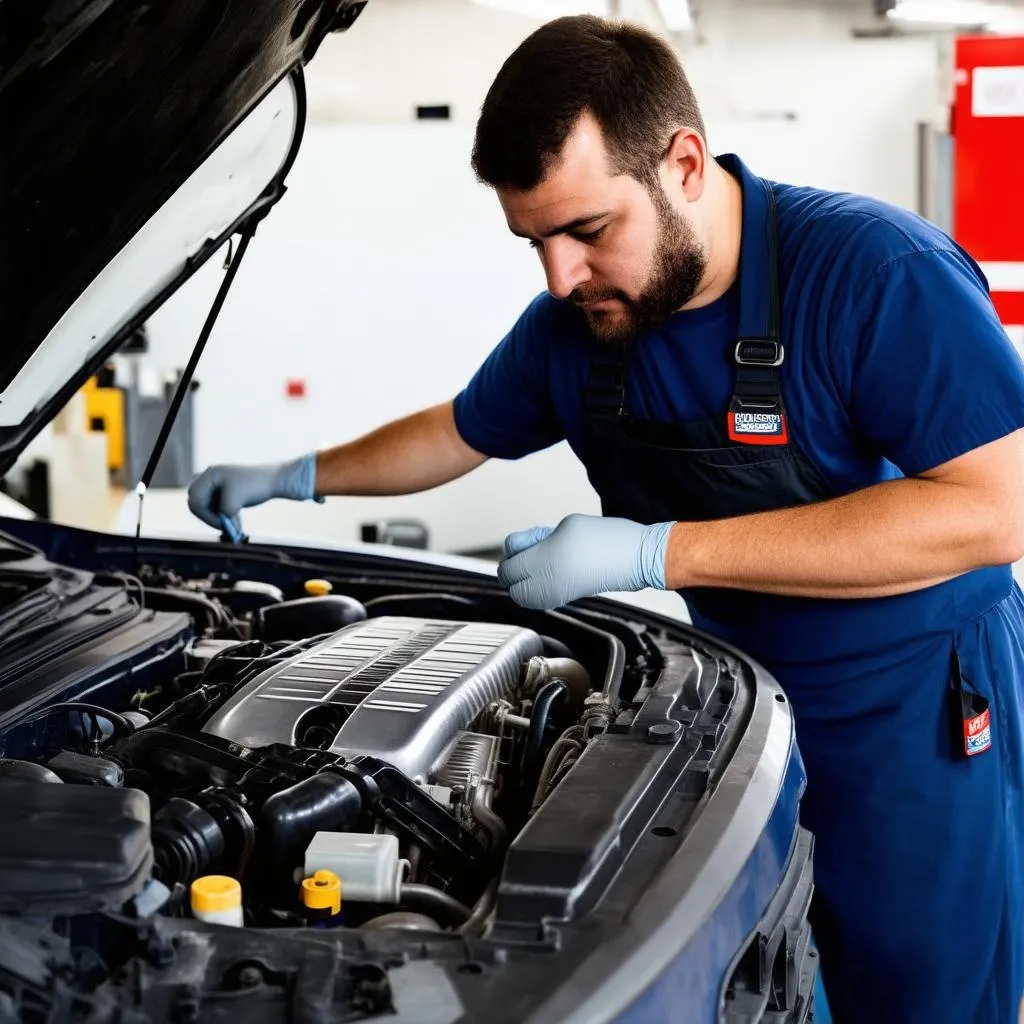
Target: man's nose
<point>566,266</point>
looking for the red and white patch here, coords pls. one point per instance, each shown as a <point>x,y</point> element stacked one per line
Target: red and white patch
<point>758,427</point>
<point>978,733</point>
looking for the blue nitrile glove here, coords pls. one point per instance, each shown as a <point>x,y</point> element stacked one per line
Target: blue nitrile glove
<point>581,557</point>
<point>226,490</point>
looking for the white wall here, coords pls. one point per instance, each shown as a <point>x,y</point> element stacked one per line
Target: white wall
<point>786,79</point>
<point>387,273</point>
<point>810,103</point>
<point>382,280</point>
<point>402,53</point>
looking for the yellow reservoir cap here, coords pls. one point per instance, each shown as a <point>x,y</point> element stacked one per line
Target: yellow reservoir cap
<point>322,891</point>
<point>318,588</point>
<point>215,892</point>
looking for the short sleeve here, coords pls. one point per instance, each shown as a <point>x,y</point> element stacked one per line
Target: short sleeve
<point>506,410</point>
<point>931,372</point>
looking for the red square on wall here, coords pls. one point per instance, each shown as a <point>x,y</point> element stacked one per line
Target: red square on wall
<point>296,389</point>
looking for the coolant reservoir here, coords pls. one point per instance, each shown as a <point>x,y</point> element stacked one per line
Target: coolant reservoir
<point>368,865</point>
<point>217,898</point>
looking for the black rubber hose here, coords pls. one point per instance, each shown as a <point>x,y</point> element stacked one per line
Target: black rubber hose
<point>551,693</point>
<point>192,704</point>
<point>170,599</point>
<point>438,903</point>
<point>122,727</point>
<point>187,841</point>
<point>555,648</point>
<point>291,817</point>
<point>481,910</point>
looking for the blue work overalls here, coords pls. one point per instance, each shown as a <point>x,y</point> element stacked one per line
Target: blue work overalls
<point>907,709</point>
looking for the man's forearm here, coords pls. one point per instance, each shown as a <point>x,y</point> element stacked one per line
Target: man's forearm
<point>896,537</point>
<point>893,538</point>
<point>407,455</point>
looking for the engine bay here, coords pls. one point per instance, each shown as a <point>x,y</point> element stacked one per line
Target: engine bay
<point>276,750</point>
<point>394,753</point>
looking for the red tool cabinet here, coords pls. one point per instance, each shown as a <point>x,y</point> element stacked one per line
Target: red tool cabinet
<point>987,126</point>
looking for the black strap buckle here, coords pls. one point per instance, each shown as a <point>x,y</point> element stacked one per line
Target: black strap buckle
<point>739,404</point>
<point>764,352</point>
<point>606,386</point>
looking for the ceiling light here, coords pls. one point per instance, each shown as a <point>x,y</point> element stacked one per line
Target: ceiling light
<point>956,13</point>
<point>676,15</point>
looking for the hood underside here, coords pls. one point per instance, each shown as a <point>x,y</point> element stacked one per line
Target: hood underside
<point>107,109</point>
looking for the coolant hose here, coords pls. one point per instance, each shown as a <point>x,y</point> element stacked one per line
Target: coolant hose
<point>554,648</point>
<point>477,921</point>
<point>487,819</point>
<point>555,691</point>
<point>541,670</point>
<point>439,903</point>
<point>575,675</point>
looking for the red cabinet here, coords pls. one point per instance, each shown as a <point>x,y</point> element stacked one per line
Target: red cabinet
<point>987,125</point>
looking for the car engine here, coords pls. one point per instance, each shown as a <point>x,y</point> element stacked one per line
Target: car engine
<point>387,755</point>
<point>243,781</point>
<point>396,688</point>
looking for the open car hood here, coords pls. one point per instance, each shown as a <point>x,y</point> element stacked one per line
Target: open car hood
<point>138,138</point>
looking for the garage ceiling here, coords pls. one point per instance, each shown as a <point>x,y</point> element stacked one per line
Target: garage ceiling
<point>677,15</point>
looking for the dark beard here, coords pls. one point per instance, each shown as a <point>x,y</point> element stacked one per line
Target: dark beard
<point>679,265</point>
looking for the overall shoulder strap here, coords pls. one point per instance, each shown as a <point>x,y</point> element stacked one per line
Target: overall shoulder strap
<point>759,352</point>
<point>756,413</point>
<point>606,384</point>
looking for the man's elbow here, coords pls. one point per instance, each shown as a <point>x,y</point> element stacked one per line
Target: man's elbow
<point>1006,536</point>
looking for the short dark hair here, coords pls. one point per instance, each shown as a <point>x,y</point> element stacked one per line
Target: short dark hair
<point>629,79</point>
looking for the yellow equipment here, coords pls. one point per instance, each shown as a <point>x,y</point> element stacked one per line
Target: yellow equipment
<point>104,412</point>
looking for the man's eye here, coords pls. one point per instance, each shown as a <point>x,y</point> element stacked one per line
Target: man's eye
<point>590,236</point>
<point>534,244</point>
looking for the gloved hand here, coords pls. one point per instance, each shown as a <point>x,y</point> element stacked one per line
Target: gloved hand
<point>226,490</point>
<point>581,557</point>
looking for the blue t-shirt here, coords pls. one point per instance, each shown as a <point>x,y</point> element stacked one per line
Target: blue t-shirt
<point>895,361</point>
<point>895,358</point>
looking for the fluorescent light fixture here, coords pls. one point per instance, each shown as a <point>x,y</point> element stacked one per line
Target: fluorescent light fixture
<point>546,10</point>
<point>676,15</point>
<point>958,12</point>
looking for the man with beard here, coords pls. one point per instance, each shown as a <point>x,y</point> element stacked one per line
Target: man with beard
<point>801,412</point>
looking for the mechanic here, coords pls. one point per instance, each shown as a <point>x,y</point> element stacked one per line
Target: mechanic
<point>800,411</point>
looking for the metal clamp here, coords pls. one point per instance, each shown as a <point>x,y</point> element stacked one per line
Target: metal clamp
<point>776,360</point>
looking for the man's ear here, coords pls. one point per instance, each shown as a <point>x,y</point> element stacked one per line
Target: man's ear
<point>684,165</point>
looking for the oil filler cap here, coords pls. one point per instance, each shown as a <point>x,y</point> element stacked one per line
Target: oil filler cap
<point>322,891</point>
<point>318,588</point>
<point>217,898</point>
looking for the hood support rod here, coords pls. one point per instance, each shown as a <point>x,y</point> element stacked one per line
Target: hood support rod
<point>247,231</point>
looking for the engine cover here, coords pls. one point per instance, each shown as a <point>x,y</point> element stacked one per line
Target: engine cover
<point>400,689</point>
